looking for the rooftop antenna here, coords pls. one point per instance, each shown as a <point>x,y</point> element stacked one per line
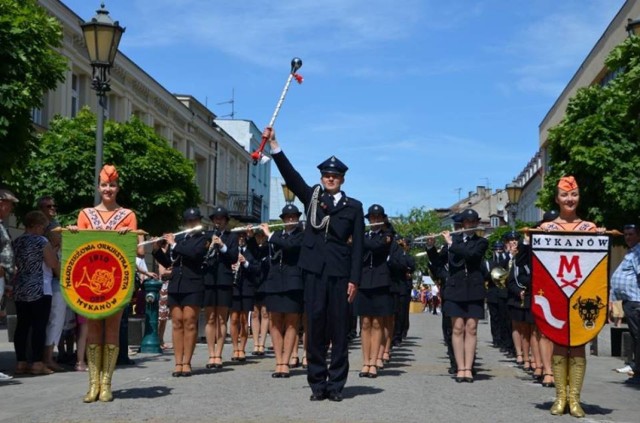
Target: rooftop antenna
<point>232,102</point>
<point>458,190</point>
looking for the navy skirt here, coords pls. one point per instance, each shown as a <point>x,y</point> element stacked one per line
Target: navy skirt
<point>187,299</point>
<point>518,314</point>
<point>217,296</point>
<point>465,309</point>
<point>242,303</point>
<point>286,302</point>
<point>374,302</point>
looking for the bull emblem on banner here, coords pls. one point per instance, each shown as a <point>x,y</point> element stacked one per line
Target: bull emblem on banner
<point>589,310</point>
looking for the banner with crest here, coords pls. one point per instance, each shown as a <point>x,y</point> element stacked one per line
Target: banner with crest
<point>98,270</point>
<point>570,285</point>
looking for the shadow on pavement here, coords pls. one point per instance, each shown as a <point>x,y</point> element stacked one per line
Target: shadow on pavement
<point>148,392</point>
<point>354,391</point>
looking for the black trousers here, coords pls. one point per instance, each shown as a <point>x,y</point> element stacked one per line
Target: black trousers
<point>494,321</point>
<point>328,322</point>
<point>632,314</point>
<point>32,316</point>
<point>505,324</point>
<point>447,332</point>
<point>402,318</point>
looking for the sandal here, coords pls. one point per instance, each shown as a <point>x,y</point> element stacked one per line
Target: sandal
<point>458,378</point>
<point>235,357</point>
<point>188,372</point>
<point>304,362</point>
<point>242,357</point>
<point>294,363</point>
<point>177,373</point>
<point>41,371</point>
<point>548,384</point>
<point>519,363</point>
<point>386,357</point>
<point>379,364</point>
<point>373,375</point>
<point>21,370</point>
<point>210,365</point>
<point>526,366</point>
<point>363,373</point>
<point>79,367</point>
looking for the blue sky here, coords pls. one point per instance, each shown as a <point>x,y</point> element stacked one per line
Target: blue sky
<point>423,99</point>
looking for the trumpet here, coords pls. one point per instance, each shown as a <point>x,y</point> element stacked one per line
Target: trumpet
<point>460,231</point>
<point>256,227</point>
<point>159,238</point>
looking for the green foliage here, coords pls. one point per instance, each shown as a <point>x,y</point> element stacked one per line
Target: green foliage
<point>598,142</point>
<point>155,180</point>
<point>419,221</point>
<point>29,66</point>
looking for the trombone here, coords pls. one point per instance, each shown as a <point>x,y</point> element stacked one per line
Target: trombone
<point>460,231</point>
<point>159,238</point>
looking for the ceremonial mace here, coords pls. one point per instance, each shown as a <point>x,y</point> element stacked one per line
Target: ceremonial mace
<point>296,63</point>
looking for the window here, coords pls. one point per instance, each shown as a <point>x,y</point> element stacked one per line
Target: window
<point>36,116</point>
<point>75,95</point>
<point>495,221</point>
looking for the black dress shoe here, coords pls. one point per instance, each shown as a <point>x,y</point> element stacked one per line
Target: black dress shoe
<point>317,396</point>
<point>452,370</point>
<point>335,396</point>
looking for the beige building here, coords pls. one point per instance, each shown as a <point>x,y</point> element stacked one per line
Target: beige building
<point>591,71</point>
<point>219,161</point>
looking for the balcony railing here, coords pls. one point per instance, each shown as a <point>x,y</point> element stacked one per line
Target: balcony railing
<point>245,207</point>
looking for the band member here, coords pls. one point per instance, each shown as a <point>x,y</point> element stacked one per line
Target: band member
<point>183,258</point>
<point>374,301</point>
<point>519,301</point>
<point>465,292</point>
<point>103,339</point>
<point>331,258</point>
<point>492,293</point>
<point>259,247</point>
<point>285,288</point>
<point>569,364</point>
<point>218,284</point>
<point>245,271</point>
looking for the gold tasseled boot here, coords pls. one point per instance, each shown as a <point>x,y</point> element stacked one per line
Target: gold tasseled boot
<point>559,365</point>
<point>110,356</point>
<point>94,362</point>
<point>577,368</point>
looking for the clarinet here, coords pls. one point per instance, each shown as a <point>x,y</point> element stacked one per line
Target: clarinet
<point>214,249</point>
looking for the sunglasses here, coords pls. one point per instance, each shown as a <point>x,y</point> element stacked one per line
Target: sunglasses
<point>630,226</point>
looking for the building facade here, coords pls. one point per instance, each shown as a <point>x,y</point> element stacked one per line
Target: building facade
<point>219,161</point>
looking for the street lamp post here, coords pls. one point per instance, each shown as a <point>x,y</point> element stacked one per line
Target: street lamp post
<point>513,193</point>
<point>102,37</point>
<point>633,27</point>
<point>289,196</point>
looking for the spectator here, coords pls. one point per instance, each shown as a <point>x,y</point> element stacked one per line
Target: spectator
<point>36,264</point>
<point>625,286</point>
<point>7,199</point>
<point>47,206</point>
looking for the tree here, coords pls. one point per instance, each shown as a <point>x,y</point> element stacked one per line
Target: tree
<point>598,142</point>
<point>418,222</point>
<point>29,66</point>
<point>156,180</point>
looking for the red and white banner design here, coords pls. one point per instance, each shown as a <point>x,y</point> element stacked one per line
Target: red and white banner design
<point>570,285</point>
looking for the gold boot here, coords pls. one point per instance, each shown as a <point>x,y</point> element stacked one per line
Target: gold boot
<point>94,362</point>
<point>577,368</point>
<point>110,356</point>
<point>559,365</point>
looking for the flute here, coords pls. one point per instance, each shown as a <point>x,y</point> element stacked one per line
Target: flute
<point>460,231</point>
<point>186,231</point>
<point>373,225</point>
<point>256,227</point>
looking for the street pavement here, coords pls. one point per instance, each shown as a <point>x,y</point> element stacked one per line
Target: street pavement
<point>414,387</point>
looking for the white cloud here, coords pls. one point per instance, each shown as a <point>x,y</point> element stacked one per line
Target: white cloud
<point>550,48</point>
